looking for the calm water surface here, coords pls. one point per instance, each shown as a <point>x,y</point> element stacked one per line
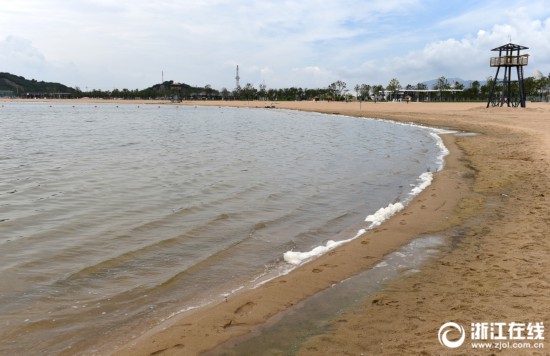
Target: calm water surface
<point>113,218</point>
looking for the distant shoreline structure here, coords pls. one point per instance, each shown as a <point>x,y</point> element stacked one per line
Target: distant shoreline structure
<point>440,90</point>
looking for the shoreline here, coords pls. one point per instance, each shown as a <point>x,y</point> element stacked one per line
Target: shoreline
<point>496,273</point>
<point>449,203</point>
<point>206,328</point>
<point>485,176</point>
<point>491,199</point>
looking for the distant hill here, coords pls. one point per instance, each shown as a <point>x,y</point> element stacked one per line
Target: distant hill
<point>21,86</point>
<point>171,84</point>
<point>178,91</point>
<point>13,85</point>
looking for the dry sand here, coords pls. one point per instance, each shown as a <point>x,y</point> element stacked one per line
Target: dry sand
<point>491,200</point>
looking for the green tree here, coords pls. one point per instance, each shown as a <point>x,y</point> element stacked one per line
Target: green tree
<point>421,86</point>
<point>237,92</point>
<point>491,83</point>
<point>458,85</point>
<point>459,93</point>
<point>338,89</point>
<point>273,94</point>
<point>540,86</point>
<point>530,86</point>
<point>472,93</point>
<point>224,93</point>
<point>475,86</point>
<point>378,90</point>
<point>441,85</point>
<point>364,91</point>
<point>208,90</point>
<point>394,86</point>
<point>263,92</point>
<point>547,88</point>
<point>249,92</point>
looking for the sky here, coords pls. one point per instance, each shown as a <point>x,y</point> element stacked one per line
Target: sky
<point>134,44</point>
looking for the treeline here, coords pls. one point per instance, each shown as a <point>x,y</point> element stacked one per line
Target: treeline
<point>173,91</point>
<point>442,90</point>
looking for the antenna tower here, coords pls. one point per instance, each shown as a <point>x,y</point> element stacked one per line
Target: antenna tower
<point>237,78</point>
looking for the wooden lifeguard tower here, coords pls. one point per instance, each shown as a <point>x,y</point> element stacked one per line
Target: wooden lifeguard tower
<point>513,92</point>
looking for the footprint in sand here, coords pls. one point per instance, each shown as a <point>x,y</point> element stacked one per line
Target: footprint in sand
<point>244,309</point>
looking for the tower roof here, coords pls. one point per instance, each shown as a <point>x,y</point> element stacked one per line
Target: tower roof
<point>510,46</point>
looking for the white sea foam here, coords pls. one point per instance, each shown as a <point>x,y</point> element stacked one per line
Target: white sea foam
<point>382,214</point>
<point>443,151</point>
<point>375,220</point>
<point>425,180</point>
<point>296,258</point>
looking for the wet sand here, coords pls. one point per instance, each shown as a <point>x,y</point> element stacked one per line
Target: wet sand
<point>492,200</point>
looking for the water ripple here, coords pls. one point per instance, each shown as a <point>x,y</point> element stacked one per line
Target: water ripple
<point>112,215</point>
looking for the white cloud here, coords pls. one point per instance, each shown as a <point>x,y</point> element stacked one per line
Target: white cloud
<point>106,44</point>
<point>19,56</point>
<point>468,57</point>
<point>18,53</point>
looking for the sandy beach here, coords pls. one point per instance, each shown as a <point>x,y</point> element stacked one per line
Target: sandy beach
<point>491,201</point>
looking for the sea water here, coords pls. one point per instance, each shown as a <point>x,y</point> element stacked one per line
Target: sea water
<point>114,218</point>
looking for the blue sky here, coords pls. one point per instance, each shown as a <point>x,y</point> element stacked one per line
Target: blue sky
<point>107,44</point>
